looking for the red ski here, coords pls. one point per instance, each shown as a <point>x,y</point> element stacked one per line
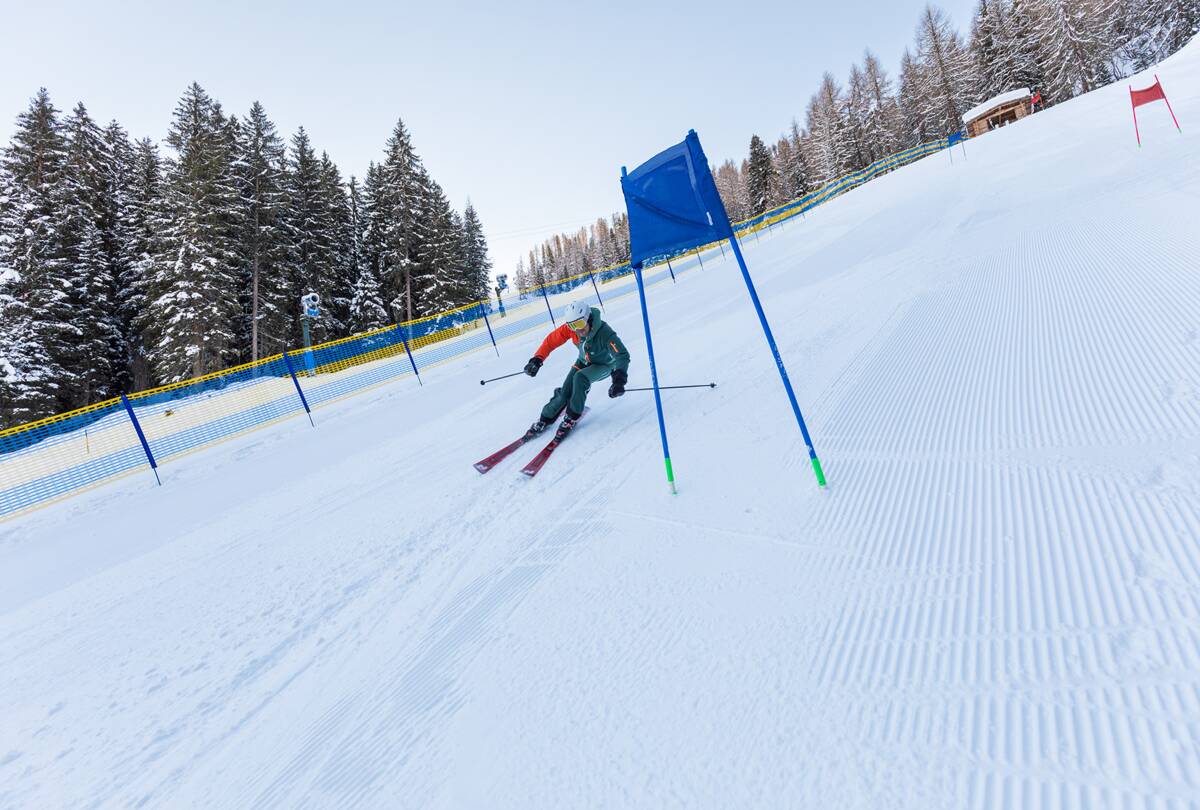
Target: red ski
<point>531,469</point>
<point>495,458</point>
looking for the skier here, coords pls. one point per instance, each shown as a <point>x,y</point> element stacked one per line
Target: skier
<point>601,354</point>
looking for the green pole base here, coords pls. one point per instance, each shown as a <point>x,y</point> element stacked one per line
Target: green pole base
<point>670,476</point>
<point>816,462</point>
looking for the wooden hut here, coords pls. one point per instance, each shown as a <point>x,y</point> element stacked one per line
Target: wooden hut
<point>996,112</point>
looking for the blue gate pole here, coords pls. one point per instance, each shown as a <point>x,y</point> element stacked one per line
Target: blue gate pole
<point>547,300</point>
<point>409,353</point>
<point>141,437</point>
<point>288,362</point>
<point>662,426</point>
<point>484,307</point>
<point>672,271</point>
<point>787,384</point>
<point>597,289</point>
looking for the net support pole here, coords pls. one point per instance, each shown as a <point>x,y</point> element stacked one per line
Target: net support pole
<point>137,427</point>
<point>483,306</point>
<point>546,298</point>
<point>662,425</point>
<point>408,351</point>
<point>287,361</point>
<point>671,270</point>
<point>699,258</point>
<point>596,288</point>
<point>787,384</point>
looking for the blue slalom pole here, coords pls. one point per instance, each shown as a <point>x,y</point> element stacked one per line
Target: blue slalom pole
<point>597,289</point>
<point>662,426</point>
<point>303,401</point>
<point>552,321</point>
<point>484,307</point>
<point>787,384</point>
<point>407,351</point>
<point>142,438</point>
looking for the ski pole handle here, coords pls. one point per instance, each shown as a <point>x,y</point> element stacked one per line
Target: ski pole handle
<point>505,377</point>
<point>670,387</point>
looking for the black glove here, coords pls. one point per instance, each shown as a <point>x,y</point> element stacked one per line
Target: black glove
<point>619,378</point>
<point>531,368</point>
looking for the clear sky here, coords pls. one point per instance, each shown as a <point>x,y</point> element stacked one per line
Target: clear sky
<point>529,108</point>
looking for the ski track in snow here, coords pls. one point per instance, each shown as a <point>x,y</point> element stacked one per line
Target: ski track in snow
<point>995,604</point>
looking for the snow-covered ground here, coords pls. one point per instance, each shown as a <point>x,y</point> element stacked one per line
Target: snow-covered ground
<point>996,602</point>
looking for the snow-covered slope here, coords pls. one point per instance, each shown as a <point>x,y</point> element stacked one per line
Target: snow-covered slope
<point>995,603</point>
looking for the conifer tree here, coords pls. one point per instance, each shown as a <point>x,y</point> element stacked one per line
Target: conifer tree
<point>267,286</point>
<point>882,126</point>
<point>86,204</point>
<point>476,264</point>
<point>401,195</point>
<point>1075,45</point>
<point>760,177</point>
<point>36,328</point>
<point>949,86</point>
<point>139,216</point>
<point>194,305</point>
<point>341,272</point>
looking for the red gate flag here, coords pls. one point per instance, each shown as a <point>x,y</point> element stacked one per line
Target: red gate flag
<point>1152,93</point>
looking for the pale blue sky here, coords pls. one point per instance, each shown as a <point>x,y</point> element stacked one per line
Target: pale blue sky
<point>530,108</point>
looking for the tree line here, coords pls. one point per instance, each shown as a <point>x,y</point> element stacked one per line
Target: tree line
<point>122,267</point>
<point>1059,48</point>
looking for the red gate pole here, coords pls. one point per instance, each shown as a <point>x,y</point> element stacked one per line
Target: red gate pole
<point>1133,107</point>
<point>1164,95</point>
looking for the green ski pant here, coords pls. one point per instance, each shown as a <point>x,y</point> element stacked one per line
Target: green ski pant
<point>574,391</point>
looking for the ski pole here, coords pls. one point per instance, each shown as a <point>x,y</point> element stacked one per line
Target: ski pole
<point>505,377</point>
<point>669,387</point>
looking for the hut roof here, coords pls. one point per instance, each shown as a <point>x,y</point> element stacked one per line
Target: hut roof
<point>1003,98</point>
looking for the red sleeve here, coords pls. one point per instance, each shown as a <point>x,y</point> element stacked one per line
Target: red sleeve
<point>553,340</point>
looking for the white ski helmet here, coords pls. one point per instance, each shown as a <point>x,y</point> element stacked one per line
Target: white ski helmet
<point>577,311</point>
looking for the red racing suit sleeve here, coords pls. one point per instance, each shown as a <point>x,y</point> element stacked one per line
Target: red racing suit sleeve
<point>555,339</point>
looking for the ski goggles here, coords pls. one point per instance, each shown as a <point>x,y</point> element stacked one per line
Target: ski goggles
<point>577,324</point>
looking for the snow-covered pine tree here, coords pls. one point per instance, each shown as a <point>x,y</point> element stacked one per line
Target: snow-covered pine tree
<point>399,201</point>
<point>990,52</point>
<point>267,286</point>
<point>793,169</point>
<point>732,190</point>
<point>760,177</point>
<point>119,182</point>
<point>367,310</point>
<point>828,152</point>
<point>36,327</point>
<point>856,110</point>
<point>1158,28</point>
<point>1076,45</point>
<point>87,213</point>
<point>883,126</point>
<point>194,305</point>
<point>341,273</point>
<point>950,81</point>
<point>1020,36</point>
<point>139,217</point>
<point>915,127</point>
<point>309,229</point>
<point>477,265</point>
